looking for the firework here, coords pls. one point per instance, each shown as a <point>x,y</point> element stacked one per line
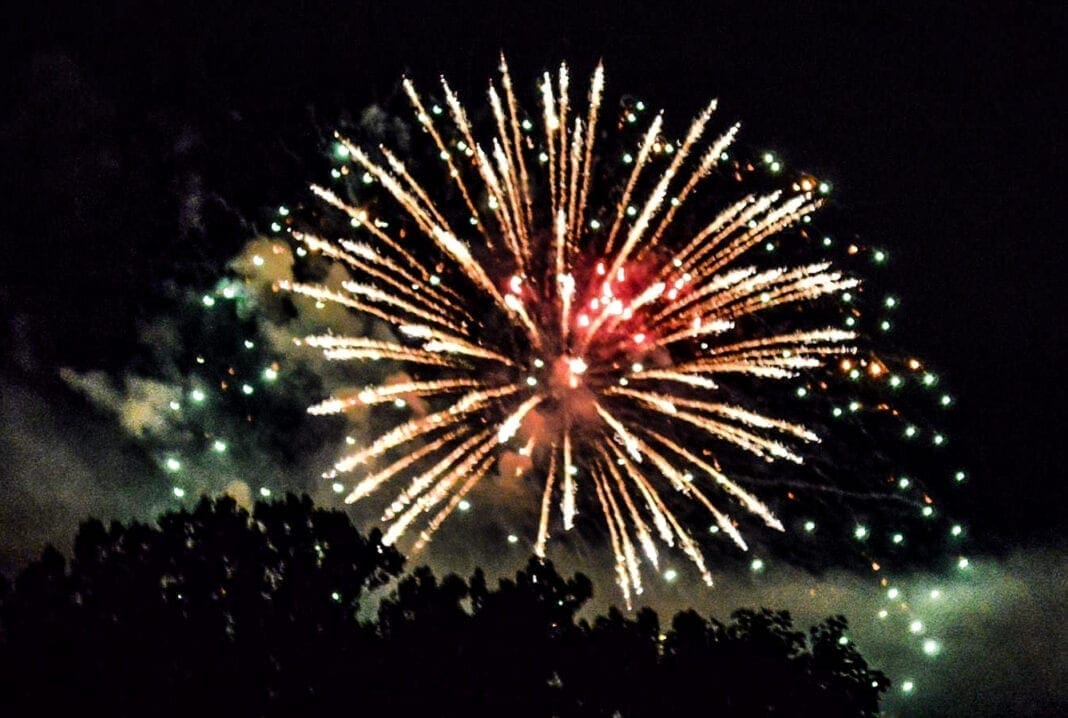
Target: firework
<point>591,332</point>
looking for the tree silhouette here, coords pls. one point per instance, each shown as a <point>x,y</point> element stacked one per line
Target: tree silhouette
<point>213,609</point>
<point>218,611</point>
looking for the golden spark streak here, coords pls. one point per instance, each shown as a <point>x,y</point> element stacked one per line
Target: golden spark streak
<point>485,170</point>
<point>708,161</point>
<point>511,425</point>
<point>644,150</point>
<point>686,542</point>
<point>401,171</point>
<point>374,294</point>
<point>632,445</point>
<point>501,201</point>
<point>546,505</point>
<point>787,214</point>
<point>370,483</point>
<point>454,174</point>
<point>669,404</point>
<point>700,382</point>
<point>362,219</point>
<point>566,289</point>
<point>573,219</point>
<point>719,229</point>
<point>359,348</point>
<point>653,503</point>
<point>641,528</point>
<point>774,363</point>
<point>441,342</point>
<point>437,493</point>
<point>712,286</point>
<point>681,485</point>
<point>630,556</point>
<point>552,126</point>
<point>777,356</point>
<point>656,197</point>
<point>323,294</point>
<point>750,502</point>
<point>754,294</point>
<point>567,501</point>
<point>753,443</point>
<point>622,576</point>
<point>364,259</point>
<point>432,526</point>
<point>415,428</point>
<point>384,393</point>
<point>596,90</point>
<point>517,138</point>
<point>446,241</point>
<point>560,243</point>
<point>512,191</point>
<point>422,481</point>
<point>562,154</point>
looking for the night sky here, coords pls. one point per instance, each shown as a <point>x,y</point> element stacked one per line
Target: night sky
<point>144,144</point>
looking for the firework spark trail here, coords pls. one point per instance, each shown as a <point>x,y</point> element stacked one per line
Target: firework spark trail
<point>546,505</point>
<point>363,258</point>
<point>517,140</point>
<point>621,547</point>
<point>751,503</point>
<point>363,349</point>
<point>708,161</point>
<point>546,321</point>
<point>454,174</point>
<point>567,503</point>
<point>416,428</point>
<point>670,527</point>
<point>656,197</point>
<point>362,219</point>
<point>370,483</point>
<point>423,481</point>
<point>440,490</point>
<point>432,526</point>
<point>630,556</point>
<point>596,90</point>
<point>641,528</point>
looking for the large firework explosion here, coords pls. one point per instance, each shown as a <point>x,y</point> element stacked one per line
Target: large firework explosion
<point>588,328</point>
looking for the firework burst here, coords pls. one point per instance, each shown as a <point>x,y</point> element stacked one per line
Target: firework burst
<point>589,335</point>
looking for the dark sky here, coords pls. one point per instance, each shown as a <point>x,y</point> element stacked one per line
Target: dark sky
<point>939,124</point>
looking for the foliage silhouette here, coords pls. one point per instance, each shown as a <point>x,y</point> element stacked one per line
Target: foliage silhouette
<point>219,611</point>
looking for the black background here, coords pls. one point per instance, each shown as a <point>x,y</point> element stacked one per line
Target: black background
<point>939,124</point>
